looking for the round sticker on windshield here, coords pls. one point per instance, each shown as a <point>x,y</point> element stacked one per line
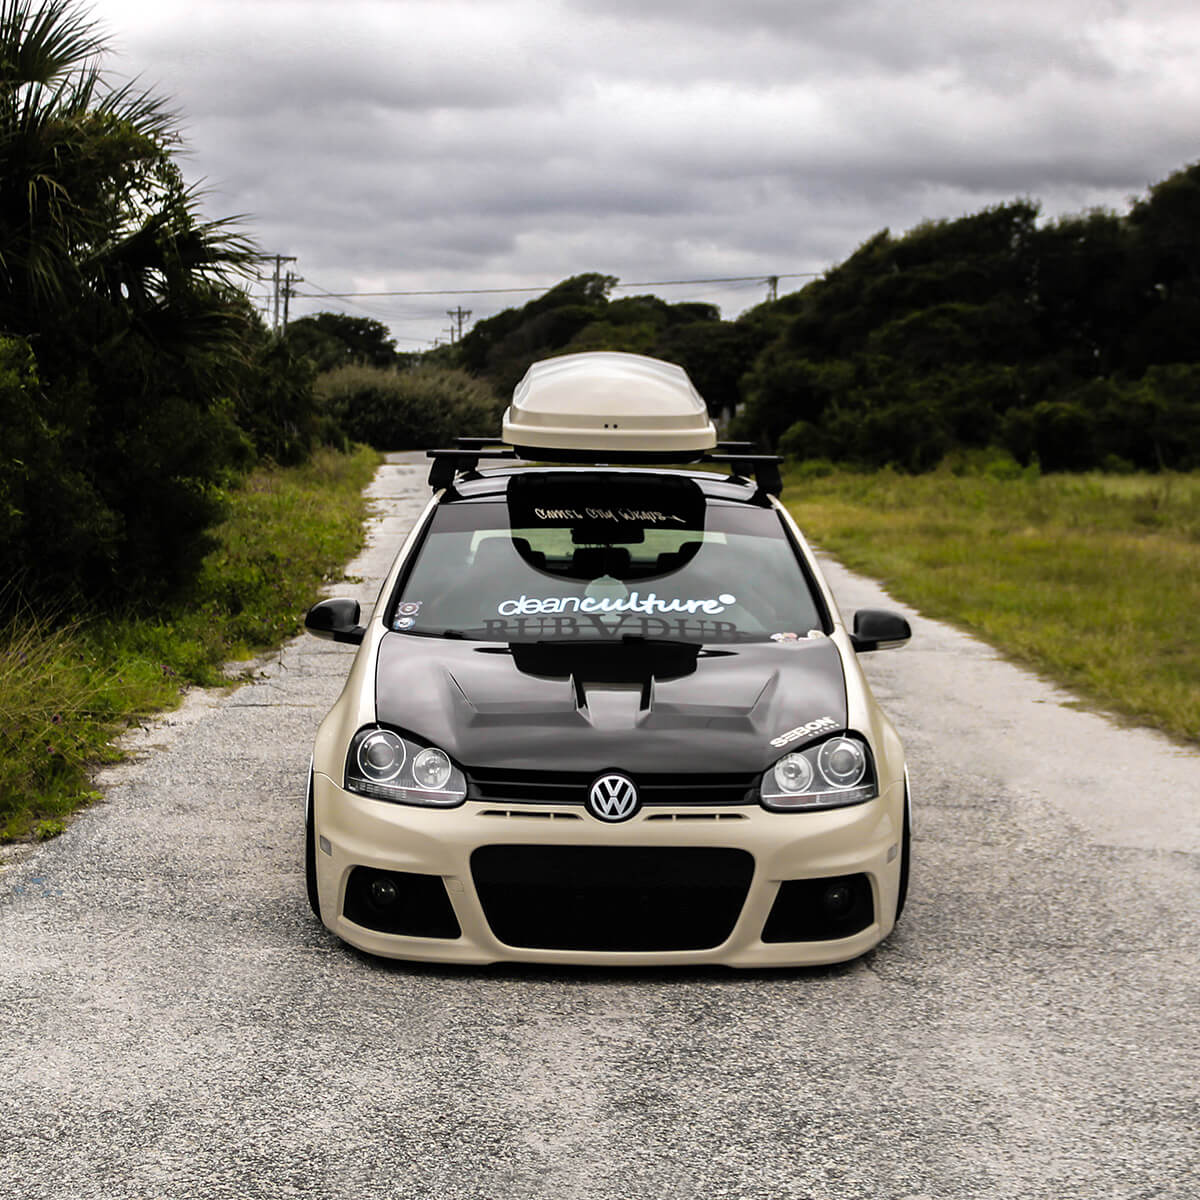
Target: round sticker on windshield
<point>409,608</point>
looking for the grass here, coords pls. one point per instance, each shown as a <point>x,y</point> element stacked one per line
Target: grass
<point>1092,580</point>
<point>67,689</point>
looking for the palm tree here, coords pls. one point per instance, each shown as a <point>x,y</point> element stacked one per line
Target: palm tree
<point>93,209</point>
<point>124,418</point>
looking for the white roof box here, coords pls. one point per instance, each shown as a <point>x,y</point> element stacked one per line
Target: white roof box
<point>624,405</point>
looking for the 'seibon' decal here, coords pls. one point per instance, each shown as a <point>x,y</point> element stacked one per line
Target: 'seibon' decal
<point>820,725</point>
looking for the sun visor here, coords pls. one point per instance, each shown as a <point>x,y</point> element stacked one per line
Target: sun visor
<point>626,405</point>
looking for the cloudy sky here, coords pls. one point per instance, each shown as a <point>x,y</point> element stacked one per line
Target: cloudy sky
<point>442,145</point>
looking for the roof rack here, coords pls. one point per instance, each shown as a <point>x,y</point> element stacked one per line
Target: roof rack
<point>463,461</point>
<point>762,468</point>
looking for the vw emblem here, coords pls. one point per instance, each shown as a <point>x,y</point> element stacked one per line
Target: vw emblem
<point>613,798</point>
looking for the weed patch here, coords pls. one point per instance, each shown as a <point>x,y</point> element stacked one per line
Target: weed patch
<point>68,687</point>
<point>1093,580</point>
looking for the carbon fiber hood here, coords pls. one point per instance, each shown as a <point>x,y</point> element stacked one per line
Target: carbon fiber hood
<point>638,706</point>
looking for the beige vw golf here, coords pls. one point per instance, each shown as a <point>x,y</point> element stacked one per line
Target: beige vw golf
<point>607,714</point>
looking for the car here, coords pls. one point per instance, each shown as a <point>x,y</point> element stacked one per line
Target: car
<point>607,714</point>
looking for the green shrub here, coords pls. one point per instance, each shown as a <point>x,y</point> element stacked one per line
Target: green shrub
<point>812,468</point>
<point>408,410</point>
<point>992,462</point>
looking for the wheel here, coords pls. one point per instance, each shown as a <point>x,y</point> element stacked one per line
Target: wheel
<point>310,852</point>
<point>905,856</point>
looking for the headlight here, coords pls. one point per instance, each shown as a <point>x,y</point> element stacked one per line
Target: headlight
<point>836,772</point>
<point>385,766</point>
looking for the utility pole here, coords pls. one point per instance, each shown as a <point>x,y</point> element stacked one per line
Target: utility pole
<point>288,293</point>
<point>458,314</point>
<point>772,287</point>
<point>279,260</point>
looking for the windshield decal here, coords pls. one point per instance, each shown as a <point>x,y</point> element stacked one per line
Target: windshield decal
<point>820,725</point>
<point>407,612</point>
<point>594,628</point>
<point>651,605</point>
<point>643,516</point>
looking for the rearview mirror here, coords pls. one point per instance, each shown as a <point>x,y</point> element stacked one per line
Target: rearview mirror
<point>336,619</point>
<point>878,629</point>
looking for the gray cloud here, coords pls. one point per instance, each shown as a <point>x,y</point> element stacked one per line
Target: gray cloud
<point>408,144</point>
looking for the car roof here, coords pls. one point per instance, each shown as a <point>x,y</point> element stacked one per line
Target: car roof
<point>493,483</point>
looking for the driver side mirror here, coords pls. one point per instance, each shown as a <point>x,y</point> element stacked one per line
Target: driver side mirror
<point>878,629</point>
<point>336,619</point>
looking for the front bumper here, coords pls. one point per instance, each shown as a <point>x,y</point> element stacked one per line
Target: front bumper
<point>356,832</point>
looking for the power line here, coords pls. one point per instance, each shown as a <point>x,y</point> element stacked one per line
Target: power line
<point>549,287</point>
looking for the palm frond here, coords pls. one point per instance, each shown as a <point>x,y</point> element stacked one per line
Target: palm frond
<point>42,40</point>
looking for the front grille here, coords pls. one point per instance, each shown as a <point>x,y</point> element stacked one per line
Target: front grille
<point>611,898</point>
<point>571,787</point>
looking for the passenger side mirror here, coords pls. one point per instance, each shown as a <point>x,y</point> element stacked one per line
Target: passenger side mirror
<point>878,629</point>
<point>337,620</point>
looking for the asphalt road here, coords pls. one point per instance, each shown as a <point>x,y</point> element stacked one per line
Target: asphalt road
<point>175,1024</point>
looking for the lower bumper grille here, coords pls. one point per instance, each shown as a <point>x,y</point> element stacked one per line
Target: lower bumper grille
<point>400,902</point>
<point>820,910</point>
<point>609,898</point>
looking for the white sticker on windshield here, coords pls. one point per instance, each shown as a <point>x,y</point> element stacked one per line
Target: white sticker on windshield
<point>644,516</point>
<point>651,605</point>
<point>407,613</point>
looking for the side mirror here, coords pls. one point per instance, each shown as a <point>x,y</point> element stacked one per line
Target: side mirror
<point>337,620</point>
<point>878,629</point>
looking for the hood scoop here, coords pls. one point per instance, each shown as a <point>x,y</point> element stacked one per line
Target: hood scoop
<point>606,685</point>
<point>635,683</point>
<point>628,661</point>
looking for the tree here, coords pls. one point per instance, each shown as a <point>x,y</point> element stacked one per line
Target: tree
<point>1166,231</point>
<point>501,347</point>
<point>127,301</point>
<point>337,340</point>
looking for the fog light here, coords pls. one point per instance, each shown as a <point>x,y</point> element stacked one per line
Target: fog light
<point>383,893</point>
<point>837,900</point>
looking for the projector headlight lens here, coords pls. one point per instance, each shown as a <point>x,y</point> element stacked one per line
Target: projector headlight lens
<point>843,762</point>
<point>381,755</point>
<point>431,768</point>
<point>793,773</point>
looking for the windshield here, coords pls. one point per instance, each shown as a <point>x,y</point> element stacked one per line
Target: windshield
<point>570,558</point>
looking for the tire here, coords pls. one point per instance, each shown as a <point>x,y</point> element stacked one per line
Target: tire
<point>905,858</point>
<point>310,853</point>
